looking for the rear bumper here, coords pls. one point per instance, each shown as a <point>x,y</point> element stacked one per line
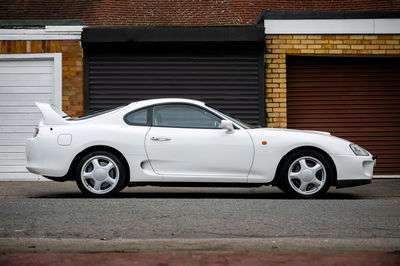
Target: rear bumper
<point>34,155</point>
<point>44,159</point>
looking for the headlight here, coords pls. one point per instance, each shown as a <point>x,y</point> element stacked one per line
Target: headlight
<point>358,150</point>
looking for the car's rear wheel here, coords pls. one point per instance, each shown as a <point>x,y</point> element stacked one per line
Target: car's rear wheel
<point>306,174</point>
<point>100,174</point>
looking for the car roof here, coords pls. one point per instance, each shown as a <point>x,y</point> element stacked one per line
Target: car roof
<point>165,100</point>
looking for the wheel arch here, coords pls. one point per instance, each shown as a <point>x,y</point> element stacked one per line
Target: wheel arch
<point>333,181</point>
<point>87,150</point>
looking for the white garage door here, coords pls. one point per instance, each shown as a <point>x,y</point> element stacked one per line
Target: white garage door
<point>22,83</point>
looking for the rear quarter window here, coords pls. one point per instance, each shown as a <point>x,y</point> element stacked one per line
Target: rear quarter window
<point>138,117</point>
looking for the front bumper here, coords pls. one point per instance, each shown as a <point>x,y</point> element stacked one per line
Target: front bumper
<point>353,170</point>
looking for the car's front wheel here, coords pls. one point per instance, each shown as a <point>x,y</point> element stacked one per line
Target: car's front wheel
<point>306,174</point>
<point>100,174</point>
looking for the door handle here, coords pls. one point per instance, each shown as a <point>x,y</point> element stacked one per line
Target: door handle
<point>160,139</point>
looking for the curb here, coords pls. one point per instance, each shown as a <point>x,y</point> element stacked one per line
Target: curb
<point>308,245</point>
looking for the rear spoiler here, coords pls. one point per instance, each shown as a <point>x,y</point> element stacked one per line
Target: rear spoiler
<point>52,115</point>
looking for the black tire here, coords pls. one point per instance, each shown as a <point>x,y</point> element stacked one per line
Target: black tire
<point>100,174</point>
<point>299,176</point>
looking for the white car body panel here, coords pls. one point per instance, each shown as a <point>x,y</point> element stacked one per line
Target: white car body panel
<point>192,155</point>
<point>282,141</point>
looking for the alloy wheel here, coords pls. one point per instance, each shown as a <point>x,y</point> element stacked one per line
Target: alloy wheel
<point>100,174</point>
<point>307,175</point>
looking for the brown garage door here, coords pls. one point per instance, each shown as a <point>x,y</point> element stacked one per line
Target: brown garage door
<point>354,98</point>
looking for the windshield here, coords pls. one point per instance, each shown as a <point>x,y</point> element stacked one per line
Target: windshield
<point>235,120</point>
<point>96,113</point>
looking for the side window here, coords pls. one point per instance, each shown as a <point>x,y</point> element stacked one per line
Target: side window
<point>138,118</point>
<point>182,115</point>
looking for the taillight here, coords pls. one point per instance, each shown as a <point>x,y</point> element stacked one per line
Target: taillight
<point>36,132</point>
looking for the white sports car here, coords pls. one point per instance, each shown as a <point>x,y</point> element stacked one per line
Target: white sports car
<point>186,142</point>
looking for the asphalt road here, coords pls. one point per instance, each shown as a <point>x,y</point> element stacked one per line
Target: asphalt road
<point>43,217</point>
<point>49,210</point>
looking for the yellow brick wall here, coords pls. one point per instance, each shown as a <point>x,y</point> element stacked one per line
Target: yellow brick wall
<point>72,67</point>
<point>279,46</point>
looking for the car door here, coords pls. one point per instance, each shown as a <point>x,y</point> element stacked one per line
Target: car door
<point>186,143</point>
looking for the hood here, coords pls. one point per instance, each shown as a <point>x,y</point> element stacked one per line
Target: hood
<point>296,131</point>
<point>313,131</point>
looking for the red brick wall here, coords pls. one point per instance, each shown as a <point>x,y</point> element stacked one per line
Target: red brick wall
<point>72,70</point>
<point>174,12</point>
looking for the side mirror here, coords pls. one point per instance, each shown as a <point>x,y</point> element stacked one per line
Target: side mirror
<point>225,124</point>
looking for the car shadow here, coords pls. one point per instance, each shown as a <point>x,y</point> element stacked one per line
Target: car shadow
<point>202,195</point>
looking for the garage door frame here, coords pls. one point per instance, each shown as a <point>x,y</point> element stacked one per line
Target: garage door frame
<point>56,58</point>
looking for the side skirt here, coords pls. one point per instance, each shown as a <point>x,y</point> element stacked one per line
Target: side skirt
<point>195,184</point>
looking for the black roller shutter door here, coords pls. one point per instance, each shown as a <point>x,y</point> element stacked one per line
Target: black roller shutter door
<point>224,76</point>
